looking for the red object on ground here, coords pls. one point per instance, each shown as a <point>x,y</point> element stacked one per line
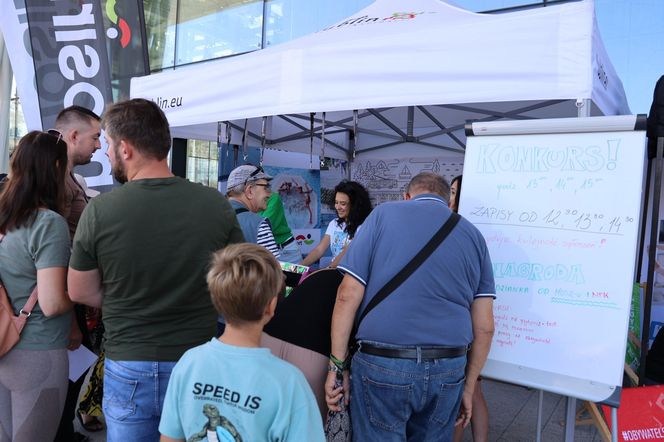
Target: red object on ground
<point>641,414</point>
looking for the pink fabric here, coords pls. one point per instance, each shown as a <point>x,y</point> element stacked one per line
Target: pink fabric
<point>313,365</point>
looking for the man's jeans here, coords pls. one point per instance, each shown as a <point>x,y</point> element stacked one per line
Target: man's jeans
<point>405,399</point>
<point>133,398</point>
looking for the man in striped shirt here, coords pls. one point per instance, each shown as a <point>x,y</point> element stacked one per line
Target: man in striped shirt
<point>248,190</point>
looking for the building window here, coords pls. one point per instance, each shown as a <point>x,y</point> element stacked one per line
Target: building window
<point>202,162</point>
<point>160,16</point>
<point>214,29</point>
<point>492,5</point>
<point>289,19</point>
<point>17,127</point>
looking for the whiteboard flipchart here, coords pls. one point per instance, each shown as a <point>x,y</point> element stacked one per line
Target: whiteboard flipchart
<point>560,213</point>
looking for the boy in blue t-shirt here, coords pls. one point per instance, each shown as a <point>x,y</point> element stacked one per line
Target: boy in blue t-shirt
<point>229,389</point>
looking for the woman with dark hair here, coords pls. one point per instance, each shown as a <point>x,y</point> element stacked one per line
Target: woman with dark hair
<point>352,203</point>
<point>480,418</point>
<point>34,252</point>
<point>455,192</point>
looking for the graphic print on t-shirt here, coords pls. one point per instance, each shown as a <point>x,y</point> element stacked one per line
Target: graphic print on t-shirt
<point>338,241</point>
<point>217,428</point>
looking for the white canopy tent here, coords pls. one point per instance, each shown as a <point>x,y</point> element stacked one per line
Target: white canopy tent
<point>413,78</point>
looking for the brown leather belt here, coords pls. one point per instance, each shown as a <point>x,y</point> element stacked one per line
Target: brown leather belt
<point>412,353</point>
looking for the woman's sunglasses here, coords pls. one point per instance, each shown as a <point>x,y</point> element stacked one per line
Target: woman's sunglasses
<point>56,133</point>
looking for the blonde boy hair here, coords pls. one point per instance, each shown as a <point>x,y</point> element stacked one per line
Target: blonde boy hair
<point>243,279</point>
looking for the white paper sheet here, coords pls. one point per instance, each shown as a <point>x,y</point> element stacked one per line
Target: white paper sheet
<point>80,360</point>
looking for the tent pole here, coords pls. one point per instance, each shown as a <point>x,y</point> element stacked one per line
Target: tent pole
<point>652,256</point>
<point>263,132</point>
<point>322,142</point>
<point>410,122</point>
<point>220,153</point>
<point>583,107</point>
<point>356,122</point>
<point>245,140</point>
<point>583,110</point>
<point>644,220</point>
<point>228,139</point>
<point>311,140</point>
<point>349,157</point>
<point>352,143</point>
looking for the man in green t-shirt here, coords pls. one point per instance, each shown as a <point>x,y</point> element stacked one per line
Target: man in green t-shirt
<point>141,253</point>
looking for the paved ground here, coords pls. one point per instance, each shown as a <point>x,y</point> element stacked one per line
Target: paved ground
<point>513,416</point>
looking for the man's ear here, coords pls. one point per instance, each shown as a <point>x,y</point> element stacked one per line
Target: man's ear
<point>72,135</point>
<point>126,150</point>
<point>406,196</point>
<point>249,191</point>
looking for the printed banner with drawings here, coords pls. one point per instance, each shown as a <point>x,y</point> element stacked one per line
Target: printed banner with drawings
<point>300,191</point>
<point>386,179</point>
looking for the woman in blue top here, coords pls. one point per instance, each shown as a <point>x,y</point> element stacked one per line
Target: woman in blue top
<point>35,252</point>
<point>352,203</point>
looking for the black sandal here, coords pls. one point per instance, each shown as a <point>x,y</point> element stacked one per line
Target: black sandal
<point>91,426</point>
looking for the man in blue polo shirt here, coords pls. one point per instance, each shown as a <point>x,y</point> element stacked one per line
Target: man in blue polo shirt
<point>408,374</point>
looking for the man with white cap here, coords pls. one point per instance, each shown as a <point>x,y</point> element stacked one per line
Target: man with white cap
<point>248,189</point>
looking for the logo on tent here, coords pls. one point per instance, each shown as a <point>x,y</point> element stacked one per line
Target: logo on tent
<point>125,30</point>
<point>601,73</point>
<point>403,15</point>
<point>366,20</point>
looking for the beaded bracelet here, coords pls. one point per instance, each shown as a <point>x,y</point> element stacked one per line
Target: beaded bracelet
<point>335,369</point>
<point>338,362</point>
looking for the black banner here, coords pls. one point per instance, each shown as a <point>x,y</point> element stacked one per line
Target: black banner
<point>69,54</point>
<point>125,30</point>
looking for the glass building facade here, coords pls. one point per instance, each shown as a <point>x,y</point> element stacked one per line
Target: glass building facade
<point>181,32</point>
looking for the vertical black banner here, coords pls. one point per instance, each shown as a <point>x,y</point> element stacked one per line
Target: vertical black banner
<point>125,30</point>
<point>70,57</point>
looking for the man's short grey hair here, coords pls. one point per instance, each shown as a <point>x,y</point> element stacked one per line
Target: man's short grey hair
<point>237,190</point>
<point>429,182</point>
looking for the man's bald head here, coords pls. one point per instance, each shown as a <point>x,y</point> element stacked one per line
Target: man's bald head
<point>428,182</point>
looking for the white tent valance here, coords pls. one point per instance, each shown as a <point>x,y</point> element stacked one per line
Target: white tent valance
<point>415,76</point>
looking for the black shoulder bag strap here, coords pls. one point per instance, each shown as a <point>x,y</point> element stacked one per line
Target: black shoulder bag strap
<point>410,268</point>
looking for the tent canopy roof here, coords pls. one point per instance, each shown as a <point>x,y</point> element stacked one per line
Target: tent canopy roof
<point>413,76</point>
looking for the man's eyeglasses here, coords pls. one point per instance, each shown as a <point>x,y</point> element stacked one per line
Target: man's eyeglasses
<point>56,133</point>
<point>266,185</point>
